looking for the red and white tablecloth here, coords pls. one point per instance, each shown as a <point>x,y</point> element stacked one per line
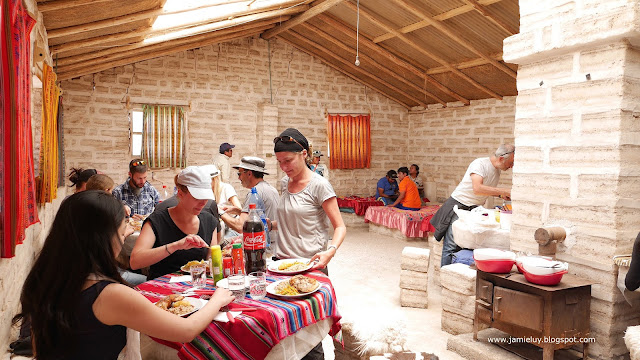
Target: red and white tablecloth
<point>255,333</point>
<point>358,204</point>
<point>412,223</point>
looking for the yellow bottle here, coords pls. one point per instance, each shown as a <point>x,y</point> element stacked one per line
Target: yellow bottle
<point>497,212</point>
<point>216,263</point>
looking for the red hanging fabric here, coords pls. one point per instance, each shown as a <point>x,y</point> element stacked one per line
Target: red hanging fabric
<point>17,183</point>
<point>349,141</point>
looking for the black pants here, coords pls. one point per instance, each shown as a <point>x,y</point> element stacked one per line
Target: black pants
<point>315,354</point>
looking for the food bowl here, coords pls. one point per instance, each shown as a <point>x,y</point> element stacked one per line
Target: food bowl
<point>519,267</point>
<point>495,266</point>
<point>522,258</point>
<point>551,279</point>
<point>542,266</point>
<point>493,254</point>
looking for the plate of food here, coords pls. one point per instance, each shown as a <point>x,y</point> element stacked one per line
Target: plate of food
<point>294,287</point>
<point>135,224</point>
<point>185,268</point>
<point>290,266</point>
<point>180,305</point>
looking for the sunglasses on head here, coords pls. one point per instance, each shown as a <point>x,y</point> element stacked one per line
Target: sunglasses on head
<point>138,163</point>
<point>287,140</point>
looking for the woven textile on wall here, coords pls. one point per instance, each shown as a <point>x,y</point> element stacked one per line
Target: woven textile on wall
<point>48,169</point>
<point>163,136</point>
<point>17,184</point>
<point>349,141</point>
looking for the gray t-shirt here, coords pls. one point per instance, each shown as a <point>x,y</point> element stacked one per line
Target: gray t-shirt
<point>490,177</point>
<point>270,197</point>
<point>303,226</point>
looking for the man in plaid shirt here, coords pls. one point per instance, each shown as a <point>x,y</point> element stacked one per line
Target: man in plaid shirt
<point>136,192</point>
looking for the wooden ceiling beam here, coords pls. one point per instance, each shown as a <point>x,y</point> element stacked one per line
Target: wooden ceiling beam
<point>95,68</point>
<point>65,4</point>
<point>150,33</point>
<point>342,71</point>
<point>314,11</point>
<point>464,64</point>
<point>129,52</point>
<point>121,37</point>
<point>443,28</point>
<point>346,30</point>
<point>487,14</point>
<point>69,60</point>
<point>352,67</point>
<point>441,17</point>
<point>368,60</point>
<point>387,27</point>
<point>147,14</point>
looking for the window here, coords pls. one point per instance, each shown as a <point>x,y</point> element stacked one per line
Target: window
<point>158,135</point>
<point>136,133</point>
<point>349,141</point>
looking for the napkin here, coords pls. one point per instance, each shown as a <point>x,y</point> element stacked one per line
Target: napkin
<point>222,316</point>
<point>182,278</point>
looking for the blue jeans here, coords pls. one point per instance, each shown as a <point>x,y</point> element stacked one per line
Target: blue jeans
<point>385,200</point>
<point>449,247</point>
<point>401,207</point>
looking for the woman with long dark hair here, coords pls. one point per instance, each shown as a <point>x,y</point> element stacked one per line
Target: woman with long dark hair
<point>77,302</point>
<point>79,178</point>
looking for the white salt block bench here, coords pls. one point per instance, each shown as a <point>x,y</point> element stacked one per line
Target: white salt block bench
<point>459,289</point>
<point>414,277</point>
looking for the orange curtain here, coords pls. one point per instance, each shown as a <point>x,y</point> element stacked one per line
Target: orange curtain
<point>48,177</point>
<point>349,141</point>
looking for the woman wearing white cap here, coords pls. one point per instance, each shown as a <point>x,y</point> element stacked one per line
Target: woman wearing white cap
<point>174,236</point>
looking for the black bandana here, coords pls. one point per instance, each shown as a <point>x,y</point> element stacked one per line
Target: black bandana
<point>290,146</point>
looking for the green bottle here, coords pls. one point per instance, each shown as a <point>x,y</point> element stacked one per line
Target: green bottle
<point>216,263</point>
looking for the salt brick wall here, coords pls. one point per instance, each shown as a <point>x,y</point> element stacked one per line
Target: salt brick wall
<point>577,136</point>
<point>444,141</point>
<point>227,86</point>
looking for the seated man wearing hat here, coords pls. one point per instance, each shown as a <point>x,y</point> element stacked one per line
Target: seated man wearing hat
<point>251,171</point>
<point>387,188</point>
<point>221,160</point>
<point>317,167</point>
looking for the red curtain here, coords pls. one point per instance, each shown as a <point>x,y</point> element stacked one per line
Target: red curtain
<point>349,141</point>
<point>17,186</point>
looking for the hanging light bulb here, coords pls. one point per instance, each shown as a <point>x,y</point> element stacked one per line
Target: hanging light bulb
<point>358,35</point>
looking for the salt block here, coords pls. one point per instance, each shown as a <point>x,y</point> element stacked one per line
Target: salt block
<point>459,278</point>
<point>415,259</point>
<point>414,280</point>
<point>414,298</point>
<point>455,324</point>
<point>463,305</point>
<point>405,356</point>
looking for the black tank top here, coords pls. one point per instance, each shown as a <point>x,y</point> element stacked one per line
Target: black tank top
<point>93,339</point>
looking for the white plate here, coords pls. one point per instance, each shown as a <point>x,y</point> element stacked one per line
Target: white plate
<point>224,283</point>
<point>271,289</point>
<point>273,267</point>
<point>196,302</point>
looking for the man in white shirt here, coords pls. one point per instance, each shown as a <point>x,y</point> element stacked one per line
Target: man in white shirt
<point>478,183</point>
<point>221,160</point>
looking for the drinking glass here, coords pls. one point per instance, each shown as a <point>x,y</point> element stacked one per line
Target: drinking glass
<point>236,285</point>
<point>257,285</point>
<point>198,276</point>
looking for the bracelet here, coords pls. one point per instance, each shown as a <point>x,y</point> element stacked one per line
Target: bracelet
<point>332,246</point>
<point>166,247</point>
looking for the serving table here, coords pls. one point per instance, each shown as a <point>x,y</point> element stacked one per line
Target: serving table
<point>278,329</point>
<point>550,317</point>
<point>358,204</point>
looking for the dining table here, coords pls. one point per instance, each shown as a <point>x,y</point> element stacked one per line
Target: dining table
<point>358,204</point>
<point>274,328</point>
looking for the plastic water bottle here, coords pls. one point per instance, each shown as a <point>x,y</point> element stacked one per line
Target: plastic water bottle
<point>254,198</point>
<point>164,194</point>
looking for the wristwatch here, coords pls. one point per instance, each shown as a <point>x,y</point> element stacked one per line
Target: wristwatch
<point>332,246</point>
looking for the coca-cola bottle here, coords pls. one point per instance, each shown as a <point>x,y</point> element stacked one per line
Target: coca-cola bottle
<point>254,241</point>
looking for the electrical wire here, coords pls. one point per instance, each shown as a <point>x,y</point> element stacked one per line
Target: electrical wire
<point>358,34</point>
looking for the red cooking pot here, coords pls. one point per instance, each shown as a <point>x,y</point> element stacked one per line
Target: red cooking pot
<point>495,266</point>
<point>551,279</point>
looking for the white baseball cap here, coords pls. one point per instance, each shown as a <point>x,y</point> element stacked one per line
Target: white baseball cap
<point>210,169</point>
<point>197,181</point>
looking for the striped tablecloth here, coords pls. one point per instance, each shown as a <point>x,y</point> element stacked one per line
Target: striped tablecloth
<point>412,223</point>
<point>254,333</point>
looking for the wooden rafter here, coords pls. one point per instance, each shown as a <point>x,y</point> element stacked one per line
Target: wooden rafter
<point>65,4</point>
<point>342,71</point>
<point>369,61</point>
<point>441,17</point>
<point>149,14</point>
<point>487,14</point>
<point>464,64</point>
<point>129,51</point>
<point>314,11</point>
<point>455,37</point>
<point>387,27</point>
<point>63,75</point>
<point>119,38</point>
<point>339,26</point>
<point>148,33</point>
